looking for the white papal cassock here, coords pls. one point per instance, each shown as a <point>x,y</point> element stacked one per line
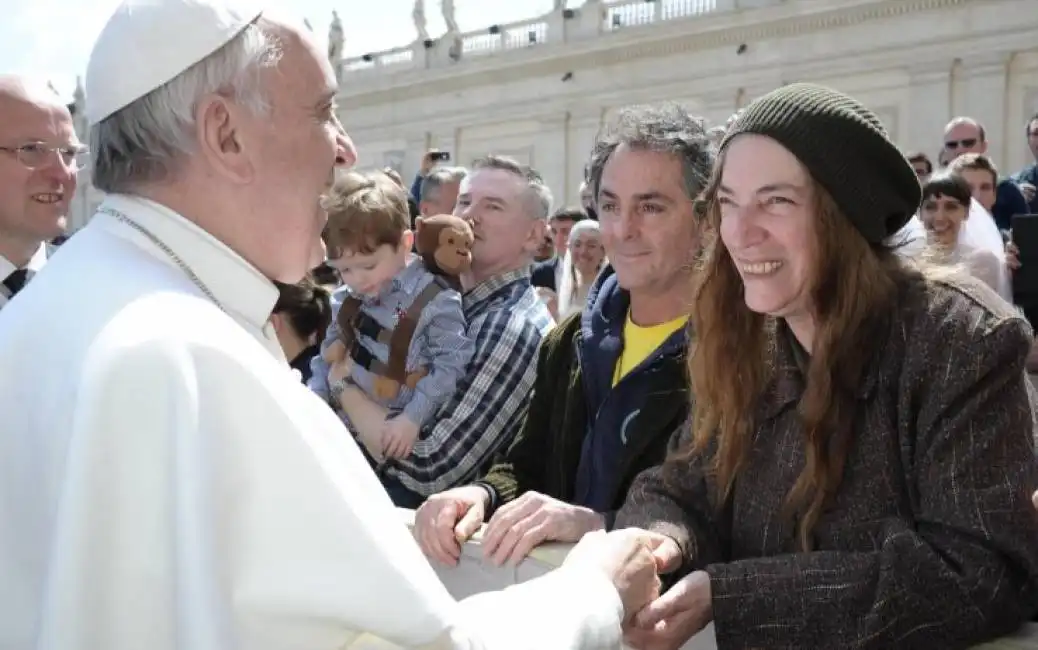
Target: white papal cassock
<point>167,482</point>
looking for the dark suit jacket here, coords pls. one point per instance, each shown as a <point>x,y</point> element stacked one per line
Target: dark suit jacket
<point>543,274</point>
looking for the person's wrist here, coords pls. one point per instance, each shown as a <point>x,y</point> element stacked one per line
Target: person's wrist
<point>593,520</point>
<point>703,593</point>
<point>336,388</point>
<point>486,493</point>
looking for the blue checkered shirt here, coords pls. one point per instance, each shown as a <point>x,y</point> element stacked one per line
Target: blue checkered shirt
<point>506,321</point>
<point>440,344</point>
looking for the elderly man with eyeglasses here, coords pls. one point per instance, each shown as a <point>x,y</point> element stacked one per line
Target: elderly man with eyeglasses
<point>39,158</point>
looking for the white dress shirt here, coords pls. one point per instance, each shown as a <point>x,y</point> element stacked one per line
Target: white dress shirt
<point>167,483</point>
<point>36,262</point>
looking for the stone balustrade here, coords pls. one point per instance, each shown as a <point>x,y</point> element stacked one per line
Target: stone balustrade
<point>397,58</point>
<point>473,575</point>
<point>508,37</point>
<point>594,19</point>
<point>635,13</point>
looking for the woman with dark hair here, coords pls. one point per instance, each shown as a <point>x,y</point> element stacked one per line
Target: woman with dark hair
<point>859,467</point>
<point>326,276</point>
<point>300,319</point>
<point>961,232</point>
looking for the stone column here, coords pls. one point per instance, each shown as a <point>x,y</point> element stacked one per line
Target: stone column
<point>549,156</point>
<point>445,138</point>
<point>556,27</point>
<point>583,127</point>
<point>929,107</point>
<point>588,21</point>
<point>417,145</point>
<point>985,77</point>
<point>718,106</point>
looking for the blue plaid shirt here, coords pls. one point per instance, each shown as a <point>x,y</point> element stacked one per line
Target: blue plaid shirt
<point>440,344</point>
<point>506,321</point>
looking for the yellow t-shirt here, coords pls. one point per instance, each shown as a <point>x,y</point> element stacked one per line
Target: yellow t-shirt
<point>640,342</point>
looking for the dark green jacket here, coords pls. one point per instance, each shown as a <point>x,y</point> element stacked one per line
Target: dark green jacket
<point>560,422</point>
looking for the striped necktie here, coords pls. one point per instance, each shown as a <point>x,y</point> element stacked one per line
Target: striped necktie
<point>16,281</point>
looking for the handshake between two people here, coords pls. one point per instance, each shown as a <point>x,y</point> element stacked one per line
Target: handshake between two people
<point>632,559</point>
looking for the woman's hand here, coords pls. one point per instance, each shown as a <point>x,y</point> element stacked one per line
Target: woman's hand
<point>671,620</point>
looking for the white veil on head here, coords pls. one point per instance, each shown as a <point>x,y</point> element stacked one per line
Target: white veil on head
<point>979,233</point>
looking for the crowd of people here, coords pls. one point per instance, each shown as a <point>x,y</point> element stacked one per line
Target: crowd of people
<point>760,380</point>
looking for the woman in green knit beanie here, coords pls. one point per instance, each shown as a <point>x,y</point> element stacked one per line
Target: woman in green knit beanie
<point>859,469</point>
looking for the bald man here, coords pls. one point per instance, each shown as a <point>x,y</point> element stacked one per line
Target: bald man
<point>966,135</point>
<point>39,157</point>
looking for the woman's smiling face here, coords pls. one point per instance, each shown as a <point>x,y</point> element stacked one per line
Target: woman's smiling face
<point>942,216</point>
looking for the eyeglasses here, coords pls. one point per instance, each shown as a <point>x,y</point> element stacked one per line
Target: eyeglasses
<point>36,154</point>
<point>965,143</point>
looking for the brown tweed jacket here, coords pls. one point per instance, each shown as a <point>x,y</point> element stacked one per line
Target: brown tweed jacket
<point>931,541</point>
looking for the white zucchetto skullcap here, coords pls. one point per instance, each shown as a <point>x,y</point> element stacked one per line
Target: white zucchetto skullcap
<point>147,43</point>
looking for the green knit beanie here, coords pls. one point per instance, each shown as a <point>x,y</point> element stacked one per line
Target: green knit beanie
<point>845,148</point>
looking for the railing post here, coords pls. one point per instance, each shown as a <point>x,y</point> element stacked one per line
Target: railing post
<point>420,55</point>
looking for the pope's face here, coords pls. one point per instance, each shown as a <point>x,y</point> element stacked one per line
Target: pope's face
<point>299,144</point>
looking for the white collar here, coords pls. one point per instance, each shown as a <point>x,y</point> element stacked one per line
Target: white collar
<point>237,285</point>
<point>36,262</point>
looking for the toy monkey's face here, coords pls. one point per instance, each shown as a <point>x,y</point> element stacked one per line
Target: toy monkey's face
<point>454,249</point>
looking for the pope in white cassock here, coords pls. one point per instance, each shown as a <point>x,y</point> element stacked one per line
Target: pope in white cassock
<point>165,481</point>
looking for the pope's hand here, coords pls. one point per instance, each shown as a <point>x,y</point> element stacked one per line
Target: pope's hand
<point>398,437</point>
<point>1034,500</point>
<point>668,622</point>
<point>626,558</point>
<point>448,519</point>
<point>532,519</point>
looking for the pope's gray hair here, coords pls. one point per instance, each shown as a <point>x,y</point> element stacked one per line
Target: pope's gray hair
<point>142,142</point>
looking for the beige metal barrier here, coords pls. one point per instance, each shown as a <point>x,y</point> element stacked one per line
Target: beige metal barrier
<point>473,576</point>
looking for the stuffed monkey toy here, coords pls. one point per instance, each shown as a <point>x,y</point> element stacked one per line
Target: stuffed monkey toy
<point>444,242</point>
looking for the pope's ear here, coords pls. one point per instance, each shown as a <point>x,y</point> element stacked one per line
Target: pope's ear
<point>219,136</point>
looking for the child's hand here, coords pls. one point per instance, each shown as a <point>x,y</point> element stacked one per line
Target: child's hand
<point>340,370</point>
<point>398,437</point>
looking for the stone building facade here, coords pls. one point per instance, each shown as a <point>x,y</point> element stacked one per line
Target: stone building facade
<point>540,89</point>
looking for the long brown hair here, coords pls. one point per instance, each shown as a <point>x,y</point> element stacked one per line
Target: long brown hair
<point>854,291</point>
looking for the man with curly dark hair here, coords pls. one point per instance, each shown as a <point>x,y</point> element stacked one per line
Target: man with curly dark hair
<point>610,388</point>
